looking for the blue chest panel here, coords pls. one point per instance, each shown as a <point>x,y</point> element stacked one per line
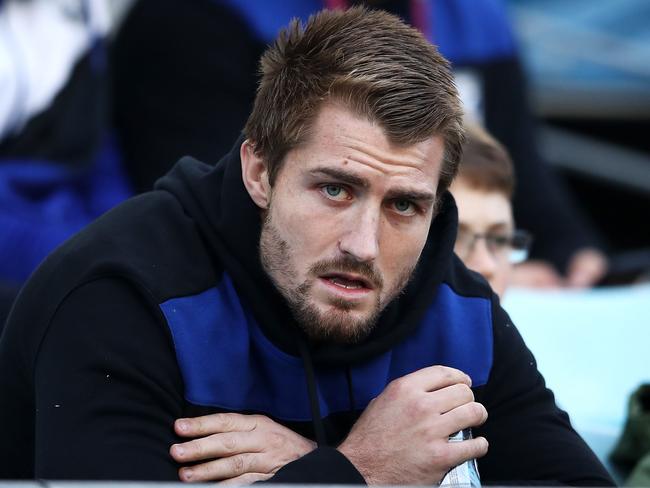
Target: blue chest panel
<point>227,362</point>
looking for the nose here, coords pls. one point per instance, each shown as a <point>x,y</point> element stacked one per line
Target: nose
<point>481,260</point>
<point>361,239</point>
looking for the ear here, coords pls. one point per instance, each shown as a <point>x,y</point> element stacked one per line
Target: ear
<point>255,175</point>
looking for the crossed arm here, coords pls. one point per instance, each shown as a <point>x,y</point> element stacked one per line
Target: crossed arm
<point>109,390</point>
<point>402,437</point>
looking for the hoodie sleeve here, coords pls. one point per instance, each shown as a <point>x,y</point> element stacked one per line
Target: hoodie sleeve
<point>108,389</point>
<point>323,466</point>
<point>530,438</point>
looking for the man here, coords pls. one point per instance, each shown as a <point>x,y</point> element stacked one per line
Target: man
<point>308,277</point>
<point>487,243</point>
<point>487,240</point>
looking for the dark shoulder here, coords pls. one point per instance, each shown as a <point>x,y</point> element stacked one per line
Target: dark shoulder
<point>147,242</point>
<point>148,239</point>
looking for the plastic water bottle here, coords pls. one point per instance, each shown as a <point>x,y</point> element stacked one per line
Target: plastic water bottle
<point>465,474</point>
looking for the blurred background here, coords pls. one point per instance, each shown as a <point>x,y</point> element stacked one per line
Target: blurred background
<point>589,66</point>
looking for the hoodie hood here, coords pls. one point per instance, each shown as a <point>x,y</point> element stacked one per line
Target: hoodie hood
<point>229,221</point>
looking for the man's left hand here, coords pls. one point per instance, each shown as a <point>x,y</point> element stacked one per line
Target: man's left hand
<point>235,449</point>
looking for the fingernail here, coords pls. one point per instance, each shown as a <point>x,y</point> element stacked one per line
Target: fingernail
<point>187,474</point>
<point>183,426</point>
<point>179,451</point>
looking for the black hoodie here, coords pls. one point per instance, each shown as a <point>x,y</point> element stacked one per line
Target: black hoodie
<point>160,309</point>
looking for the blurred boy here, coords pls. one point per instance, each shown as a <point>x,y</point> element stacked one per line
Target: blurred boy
<point>487,241</point>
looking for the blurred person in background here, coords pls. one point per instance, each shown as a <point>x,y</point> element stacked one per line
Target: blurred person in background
<point>487,240</point>
<point>479,40</point>
<point>59,168</point>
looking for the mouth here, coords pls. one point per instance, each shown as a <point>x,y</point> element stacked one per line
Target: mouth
<point>347,281</point>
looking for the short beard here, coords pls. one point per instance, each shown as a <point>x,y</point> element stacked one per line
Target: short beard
<point>337,325</point>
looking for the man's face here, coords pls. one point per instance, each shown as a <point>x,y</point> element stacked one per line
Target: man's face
<point>488,214</point>
<point>347,219</point>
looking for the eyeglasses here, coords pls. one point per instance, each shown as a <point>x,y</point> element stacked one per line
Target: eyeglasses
<point>513,246</point>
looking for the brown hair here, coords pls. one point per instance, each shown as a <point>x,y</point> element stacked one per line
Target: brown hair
<point>485,164</point>
<point>374,64</point>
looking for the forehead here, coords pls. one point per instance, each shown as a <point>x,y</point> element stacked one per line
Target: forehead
<point>481,210</point>
<point>341,138</point>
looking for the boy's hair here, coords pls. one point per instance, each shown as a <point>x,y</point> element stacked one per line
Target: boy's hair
<point>372,63</point>
<point>485,164</point>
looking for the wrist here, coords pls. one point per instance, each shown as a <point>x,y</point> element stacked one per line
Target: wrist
<point>359,461</point>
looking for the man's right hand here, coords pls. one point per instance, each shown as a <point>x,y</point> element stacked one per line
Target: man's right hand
<point>235,449</point>
<point>402,438</point>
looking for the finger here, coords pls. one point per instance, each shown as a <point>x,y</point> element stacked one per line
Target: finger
<point>436,377</point>
<point>585,274</point>
<point>246,479</point>
<point>470,414</point>
<point>451,397</point>
<point>214,423</point>
<point>586,267</point>
<point>220,469</point>
<point>459,452</point>
<point>217,446</point>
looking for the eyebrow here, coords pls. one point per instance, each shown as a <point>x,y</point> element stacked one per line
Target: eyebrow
<point>413,195</point>
<point>342,176</point>
<point>498,226</point>
<point>354,180</point>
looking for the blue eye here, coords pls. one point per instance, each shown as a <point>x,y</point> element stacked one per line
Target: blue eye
<point>336,193</point>
<point>403,206</point>
<point>333,190</point>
